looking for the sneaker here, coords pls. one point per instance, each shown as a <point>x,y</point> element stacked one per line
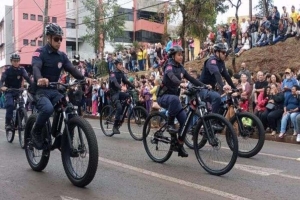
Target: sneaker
<point>116,130</point>
<point>298,138</point>
<point>172,129</point>
<point>281,135</point>
<point>295,133</point>
<point>38,140</point>
<point>273,133</point>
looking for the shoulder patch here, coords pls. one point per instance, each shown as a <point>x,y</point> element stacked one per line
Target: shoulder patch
<point>169,67</point>
<point>112,75</point>
<point>36,54</point>
<point>214,62</point>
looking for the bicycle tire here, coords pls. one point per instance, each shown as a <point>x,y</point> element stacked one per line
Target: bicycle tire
<point>200,153</point>
<point>104,119</point>
<point>246,137</point>
<point>92,155</point>
<point>22,114</point>
<point>45,154</point>
<point>146,129</point>
<point>142,112</point>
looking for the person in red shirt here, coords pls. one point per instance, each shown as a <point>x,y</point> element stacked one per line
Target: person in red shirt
<point>233,27</point>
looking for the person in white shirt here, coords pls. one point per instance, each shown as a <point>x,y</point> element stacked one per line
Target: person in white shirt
<point>244,26</point>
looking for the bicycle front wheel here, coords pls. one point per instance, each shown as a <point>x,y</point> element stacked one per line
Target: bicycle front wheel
<point>107,118</point>
<point>136,120</point>
<point>80,160</point>
<point>156,140</point>
<point>250,132</point>
<point>216,156</point>
<point>22,120</point>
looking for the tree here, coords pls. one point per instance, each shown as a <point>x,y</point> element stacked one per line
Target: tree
<point>236,6</point>
<point>197,15</point>
<point>264,7</point>
<point>105,23</point>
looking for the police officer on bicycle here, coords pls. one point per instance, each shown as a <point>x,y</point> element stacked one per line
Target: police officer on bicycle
<point>115,79</point>
<point>168,93</point>
<point>212,72</point>
<point>47,63</point>
<point>12,78</point>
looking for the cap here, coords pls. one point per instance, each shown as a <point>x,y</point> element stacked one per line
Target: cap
<point>288,70</point>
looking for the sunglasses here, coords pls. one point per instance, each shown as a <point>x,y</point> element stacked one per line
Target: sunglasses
<point>56,39</point>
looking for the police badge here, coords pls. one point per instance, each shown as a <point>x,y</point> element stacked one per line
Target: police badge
<point>59,65</point>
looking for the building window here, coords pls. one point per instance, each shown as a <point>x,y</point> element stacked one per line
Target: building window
<point>54,20</point>
<point>127,37</point>
<point>70,25</point>
<point>127,14</point>
<point>25,16</point>
<point>147,36</point>
<point>32,17</point>
<point>40,18</point>
<point>33,43</point>
<point>25,42</point>
<point>40,43</point>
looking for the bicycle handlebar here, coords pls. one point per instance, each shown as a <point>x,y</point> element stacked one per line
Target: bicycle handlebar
<point>67,85</point>
<point>14,89</point>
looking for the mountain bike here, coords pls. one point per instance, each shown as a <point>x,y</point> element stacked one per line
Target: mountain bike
<point>213,144</point>
<point>19,119</point>
<point>250,130</point>
<point>137,115</point>
<point>76,141</point>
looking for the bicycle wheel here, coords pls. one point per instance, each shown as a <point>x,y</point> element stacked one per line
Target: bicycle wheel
<point>156,140</point>
<point>107,118</point>
<point>136,120</point>
<point>81,160</point>
<point>216,145</point>
<point>37,159</point>
<point>251,134</point>
<point>22,119</point>
<point>189,138</point>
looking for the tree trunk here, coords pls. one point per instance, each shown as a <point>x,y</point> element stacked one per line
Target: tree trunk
<point>266,7</point>
<point>236,39</point>
<point>182,34</point>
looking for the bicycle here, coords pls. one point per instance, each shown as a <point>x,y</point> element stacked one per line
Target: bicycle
<point>72,146</point>
<point>249,126</point>
<point>136,113</point>
<point>19,119</point>
<point>155,134</point>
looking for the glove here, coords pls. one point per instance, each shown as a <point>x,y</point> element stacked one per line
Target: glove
<point>4,88</point>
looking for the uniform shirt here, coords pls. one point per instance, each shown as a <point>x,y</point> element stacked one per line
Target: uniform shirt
<point>48,63</point>
<point>13,77</point>
<point>115,80</point>
<point>173,75</point>
<point>212,71</point>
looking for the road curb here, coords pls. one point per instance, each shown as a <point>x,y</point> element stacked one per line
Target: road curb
<point>288,138</point>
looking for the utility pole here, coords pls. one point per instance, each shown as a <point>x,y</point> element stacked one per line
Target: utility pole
<point>45,21</point>
<point>77,22</point>
<point>250,9</point>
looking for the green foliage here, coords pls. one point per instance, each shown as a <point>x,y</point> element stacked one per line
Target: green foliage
<point>119,47</point>
<point>264,7</point>
<point>136,44</point>
<point>102,68</point>
<point>104,20</point>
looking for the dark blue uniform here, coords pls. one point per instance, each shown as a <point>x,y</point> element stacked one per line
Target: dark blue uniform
<point>173,73</point>
<point>115,80</point>
<point>212,72</point>
<point>12,78</point>
<point>48,63</point>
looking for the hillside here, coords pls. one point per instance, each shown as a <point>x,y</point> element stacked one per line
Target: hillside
<point>274,59</point>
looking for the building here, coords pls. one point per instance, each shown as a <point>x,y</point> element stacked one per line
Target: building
<point>6,38</point>
<point>145,21</point>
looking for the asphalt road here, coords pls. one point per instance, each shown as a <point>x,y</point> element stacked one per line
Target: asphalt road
<point>126,172</point>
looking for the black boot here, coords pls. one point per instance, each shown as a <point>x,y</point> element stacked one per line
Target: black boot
<point>182,152</point>
<point>116,127</point>
<point>171,127</point>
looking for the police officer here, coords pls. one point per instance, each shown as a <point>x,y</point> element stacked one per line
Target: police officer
<point>115,80</point>
<point>214,69</point>
<point>168,94</point>
<point>47,63</point>
<point>12,78</point>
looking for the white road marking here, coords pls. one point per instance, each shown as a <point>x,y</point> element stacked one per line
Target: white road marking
<point>278,156</point>
<point>289,176</point>
<point>262,171</point>
<point>67,198</point>
<point>174,180</point>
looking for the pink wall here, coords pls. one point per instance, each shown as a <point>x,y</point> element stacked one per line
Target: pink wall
<point>29,29</point>
<point>146,25</point>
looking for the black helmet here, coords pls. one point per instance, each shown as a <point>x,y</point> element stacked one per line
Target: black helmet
<point>53,29</point>
<point>173,50</point>
<point>220,47</point>
<point>117,61</point>
<point>15,56</point>
<point>77,57</point>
